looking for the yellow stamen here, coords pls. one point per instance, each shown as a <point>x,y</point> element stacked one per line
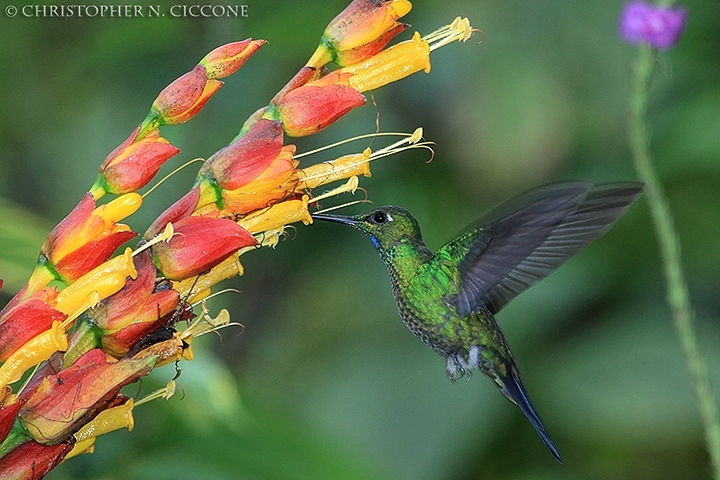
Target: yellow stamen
<point>359,137</point>
<point>165,236</point>
<point>348,204</point>
<point>181,167</point>
<point>106,279</point>
<point>459,30</point>
<point>355,164</point>
<point>338,169</point>
<point>36,350</point>
<point>350,186</point>
<point>165,392</point>
<point>201,285</point>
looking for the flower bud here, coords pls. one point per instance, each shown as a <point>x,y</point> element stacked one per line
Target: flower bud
<point>227,59</point>
<point>134,163</point>
<point>360,31</point>
<point>312,107</point>
<point>65,401</point>
<point>660,26</point>
<point>183,98</point>
<point>199,244</point>
<point>26,320</point>
<point>88,236</point>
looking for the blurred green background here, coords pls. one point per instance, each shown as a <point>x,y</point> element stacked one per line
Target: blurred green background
<point>325,382</point>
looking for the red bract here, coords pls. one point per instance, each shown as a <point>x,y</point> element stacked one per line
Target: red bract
<point>26,320</point>
<point>134,163</point>
<point>63,402</point>
<point>8,414</point>
<point>312,107</point>
<point>185,97</point>
<point>180,209</point>
<point>266,189</point>
<point>360,31</point>
<point>87,237</point>
<point>135,310</point>
<point>199,244</point>
<point>32,461</point>
<point>227,59</point>
<point>242,161</point>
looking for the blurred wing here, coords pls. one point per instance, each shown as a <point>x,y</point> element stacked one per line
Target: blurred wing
<point>522,241</point>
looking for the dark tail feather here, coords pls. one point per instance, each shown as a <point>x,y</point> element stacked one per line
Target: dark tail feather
<point>514,390</point>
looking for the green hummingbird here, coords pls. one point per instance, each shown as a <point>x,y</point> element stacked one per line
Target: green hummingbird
<point>449,299</point>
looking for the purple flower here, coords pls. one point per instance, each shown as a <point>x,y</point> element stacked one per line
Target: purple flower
<point>659,26</point>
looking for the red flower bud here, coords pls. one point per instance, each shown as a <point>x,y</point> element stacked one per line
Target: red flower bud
<point>242,161</point>
<point>26,320</point>
<point>88,236</point>
<point>185,97</point>
<point>312,107</point>
<point>32,460</point>
<point>227,59</point>
<point>199,244</point>
<point>135,310</point>
<point>63,402</point>
<point>360,31</point>
<point>134,163</point>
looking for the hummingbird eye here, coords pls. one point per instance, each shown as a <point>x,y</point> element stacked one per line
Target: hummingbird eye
<point>380,217</point>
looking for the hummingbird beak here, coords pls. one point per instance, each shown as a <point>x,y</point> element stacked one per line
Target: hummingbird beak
<point>337,219</point>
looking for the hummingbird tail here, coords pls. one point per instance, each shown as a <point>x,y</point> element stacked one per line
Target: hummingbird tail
<point>514,390</point>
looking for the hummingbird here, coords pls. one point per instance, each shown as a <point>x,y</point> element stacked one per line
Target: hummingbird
<point>449,299</point>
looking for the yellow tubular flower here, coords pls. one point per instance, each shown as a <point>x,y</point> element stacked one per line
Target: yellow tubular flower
<point>406,58</point>
<point>278,215</point>
<point>106,280</point>
<point>395,63</point>
<point>32,353</point>
<point>108,420</point>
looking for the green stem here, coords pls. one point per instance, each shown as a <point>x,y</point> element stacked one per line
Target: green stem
<point>677,291</point>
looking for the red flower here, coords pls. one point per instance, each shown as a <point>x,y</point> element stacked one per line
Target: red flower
<point>134,163</point>
<point>8,414</point>
<point>26,320</point>
<point>312,107</point>
<point>245,159</point>
<point>135,310</point>
<point>249,173</point>
<point>360,31</point>
<point>31,460</point>
<point>64,402</point>
<point>88,236</point>
<point>185,97</point>
<point>199,244</point>
<point>227,59</point>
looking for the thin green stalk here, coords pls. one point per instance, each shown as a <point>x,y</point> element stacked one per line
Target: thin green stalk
<point>677,291</point>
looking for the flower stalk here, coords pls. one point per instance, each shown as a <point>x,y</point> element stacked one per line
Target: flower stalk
<point>669,243</point>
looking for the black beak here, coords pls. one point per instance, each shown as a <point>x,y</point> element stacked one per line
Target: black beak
<point>353,222</point>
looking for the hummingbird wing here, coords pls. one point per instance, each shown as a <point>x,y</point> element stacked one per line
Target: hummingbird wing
<point>522,241</point>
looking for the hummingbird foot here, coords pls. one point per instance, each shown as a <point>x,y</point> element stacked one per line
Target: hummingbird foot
<point>457,366</point>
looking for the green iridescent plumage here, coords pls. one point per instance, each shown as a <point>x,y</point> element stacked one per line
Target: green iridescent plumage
<point>449,299</point>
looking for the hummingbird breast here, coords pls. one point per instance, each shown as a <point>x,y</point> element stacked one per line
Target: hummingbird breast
<point>426,313</point>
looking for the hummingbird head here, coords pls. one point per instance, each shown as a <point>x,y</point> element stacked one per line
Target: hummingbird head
<point>386,226</point>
